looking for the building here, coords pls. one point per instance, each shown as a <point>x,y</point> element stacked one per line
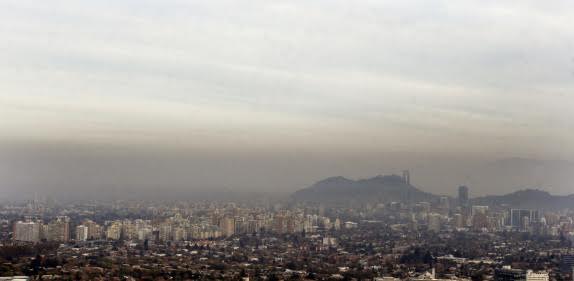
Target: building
<point>479,210</point>
<point>227,225</point>
<point>463,196</point>
<point>506,273</point>
<point>114,231</point>
<point>351,225</point>
<point>444,204</point>
<point>434,222</point>
<point>58,230</point>
<point>459,221</point>
<point>94,230</point>
<point>15,278</point>
<point>522,218</point>
<point>407,177</point>
<point>27,231</point>
<point>81,233</point>
<point>537,276</point>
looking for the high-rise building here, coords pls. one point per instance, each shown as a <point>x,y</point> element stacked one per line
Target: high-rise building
<point>479,221</point>
<point>114,231</point>
<point>458,220</point>
<point>94,230</point>
<point>165,232</point>
<point>463,196</point>
<point>407,177</point>
<point>81,233</point>
<point>27,231</point>
<point>58,230</point>
<point>522,218</point>
<point>444,203</point>
<point>434,222</point>
<point>227,225</point>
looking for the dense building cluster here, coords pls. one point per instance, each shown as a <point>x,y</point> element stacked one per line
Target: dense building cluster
<point>135,240</point>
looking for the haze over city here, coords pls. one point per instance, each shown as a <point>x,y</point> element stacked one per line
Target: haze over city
<point>273,96</point>
<point>270,140</point>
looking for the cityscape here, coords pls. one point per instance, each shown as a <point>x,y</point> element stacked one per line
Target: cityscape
<point>446,239</point>
<point>279,140</point>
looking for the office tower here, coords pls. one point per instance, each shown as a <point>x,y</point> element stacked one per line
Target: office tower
<point>27,231</point>
<point>81,233</point>
<point>463,196</point>
<point>407,177</point>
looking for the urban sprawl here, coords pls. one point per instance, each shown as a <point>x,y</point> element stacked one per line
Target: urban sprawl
<point>449,239</point>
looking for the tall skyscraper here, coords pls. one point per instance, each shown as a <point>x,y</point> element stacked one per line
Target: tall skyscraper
<point>463,196</point>
<point>407,177</point>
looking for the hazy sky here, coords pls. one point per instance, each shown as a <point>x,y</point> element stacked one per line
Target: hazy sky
<point>276,94</point>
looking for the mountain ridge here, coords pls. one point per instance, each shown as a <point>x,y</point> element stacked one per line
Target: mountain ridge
<point>381,188</point>
<point>389,188</point>
<point>531,198</point>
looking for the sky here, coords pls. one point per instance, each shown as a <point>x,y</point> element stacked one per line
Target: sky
<point>274,95</point>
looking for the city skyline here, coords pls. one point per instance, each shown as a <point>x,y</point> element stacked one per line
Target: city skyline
<point>365,140</point>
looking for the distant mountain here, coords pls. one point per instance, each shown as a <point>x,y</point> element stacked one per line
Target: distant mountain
<point>384,189</point>
<point>528,198</point>
<point>378,189</point>
<point>556,176</point>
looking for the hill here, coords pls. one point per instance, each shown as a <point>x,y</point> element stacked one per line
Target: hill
<point>341,190</point>
<point>528,198</point>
